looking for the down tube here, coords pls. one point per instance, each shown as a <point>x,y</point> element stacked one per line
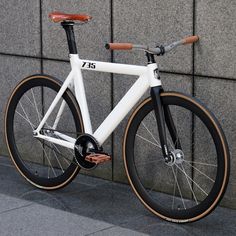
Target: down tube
<point>121,109</point>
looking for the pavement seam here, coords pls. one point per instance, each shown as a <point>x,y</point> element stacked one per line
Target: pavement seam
<point>110,227</point>
<point>16,208</point>
<point>7,165</point>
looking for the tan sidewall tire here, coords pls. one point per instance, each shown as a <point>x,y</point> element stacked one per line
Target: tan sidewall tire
<point>6,138</point>
<point>226,158</point>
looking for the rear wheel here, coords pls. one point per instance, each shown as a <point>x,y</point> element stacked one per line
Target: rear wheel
<point>192,184</point>
<point>43,164</point>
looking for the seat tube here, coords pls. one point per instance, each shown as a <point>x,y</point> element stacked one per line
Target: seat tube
<point>68,27</point>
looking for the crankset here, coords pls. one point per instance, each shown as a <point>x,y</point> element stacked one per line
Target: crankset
<point>88,152</point>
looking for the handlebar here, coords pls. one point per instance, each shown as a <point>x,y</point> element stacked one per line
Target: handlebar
<point>119,46</point>
<point>190,39</point>
<point>159,50</point>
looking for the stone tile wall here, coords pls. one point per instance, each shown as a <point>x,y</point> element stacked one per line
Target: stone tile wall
<point>30,43</point>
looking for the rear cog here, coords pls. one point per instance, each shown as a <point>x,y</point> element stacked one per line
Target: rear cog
<point>84,145</point>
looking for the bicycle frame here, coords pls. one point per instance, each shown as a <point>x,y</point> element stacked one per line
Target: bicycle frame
<point>148,77</point>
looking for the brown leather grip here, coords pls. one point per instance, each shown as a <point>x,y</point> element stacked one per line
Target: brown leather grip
<point>191,39</point>
<point>119,46</point>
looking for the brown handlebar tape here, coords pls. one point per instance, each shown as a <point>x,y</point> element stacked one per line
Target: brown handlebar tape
<point>191,39</point>
<point>119,46</point>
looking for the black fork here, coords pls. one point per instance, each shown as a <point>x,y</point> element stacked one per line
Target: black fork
<point>163,115</point>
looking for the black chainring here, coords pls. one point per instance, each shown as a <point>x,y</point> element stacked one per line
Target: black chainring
<point>83,145</point>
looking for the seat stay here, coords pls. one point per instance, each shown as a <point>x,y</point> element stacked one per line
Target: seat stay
<point>65,85</point>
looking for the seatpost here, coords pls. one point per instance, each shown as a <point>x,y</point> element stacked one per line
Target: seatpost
<point>68,27</point>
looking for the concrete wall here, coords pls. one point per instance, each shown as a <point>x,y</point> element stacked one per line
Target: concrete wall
<point>30,43</point>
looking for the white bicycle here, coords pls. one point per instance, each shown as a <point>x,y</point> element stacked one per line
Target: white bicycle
<point>175,152</point>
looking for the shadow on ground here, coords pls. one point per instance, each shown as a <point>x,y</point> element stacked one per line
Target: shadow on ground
<point>104,201</point>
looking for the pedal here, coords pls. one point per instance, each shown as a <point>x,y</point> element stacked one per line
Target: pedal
<point>97,158</point>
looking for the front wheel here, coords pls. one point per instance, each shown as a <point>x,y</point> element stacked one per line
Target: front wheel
<point>192,184</point>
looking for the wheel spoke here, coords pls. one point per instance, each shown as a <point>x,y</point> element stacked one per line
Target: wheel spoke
<point>26,116</point>
<point>192,180</point>
<point>148,141</point>
<point>59,153</point>
<point>151,134</point>
<point>213,181</point>
<point>48,160</point>
<point>68,149</point>
<point>190,186</point>
<point>200,163</point>
<point>176,181</point>
<point>173,199</point>
<point>32,125</point>
<point>155,183</point>
<point>36,107</point>
<point>40,116</point>
<point>58,161</point>
<point>63,156</point>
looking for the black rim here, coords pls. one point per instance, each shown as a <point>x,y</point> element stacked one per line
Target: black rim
<point>25,85</point>
<point>132,168</point>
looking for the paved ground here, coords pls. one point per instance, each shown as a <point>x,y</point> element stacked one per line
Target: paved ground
<point>90,206</point>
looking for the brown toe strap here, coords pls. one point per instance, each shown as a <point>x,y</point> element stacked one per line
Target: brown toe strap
<point>60,16</point>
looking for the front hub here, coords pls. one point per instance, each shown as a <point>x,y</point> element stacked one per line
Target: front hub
<point>179,156</point>
<point>175,157</point>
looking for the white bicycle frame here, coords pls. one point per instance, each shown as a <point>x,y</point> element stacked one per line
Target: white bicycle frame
<point>148,77</point>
